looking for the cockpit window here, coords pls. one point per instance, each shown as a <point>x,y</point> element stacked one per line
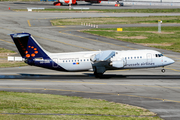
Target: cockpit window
<point>158,55</point>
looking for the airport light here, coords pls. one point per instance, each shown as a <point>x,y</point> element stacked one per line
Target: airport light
<point>159,26</point>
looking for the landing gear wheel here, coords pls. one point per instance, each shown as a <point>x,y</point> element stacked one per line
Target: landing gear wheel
<point>98,75</point>
<point>163,70</point>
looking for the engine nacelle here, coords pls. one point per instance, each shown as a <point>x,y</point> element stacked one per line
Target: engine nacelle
<point>117,64</point>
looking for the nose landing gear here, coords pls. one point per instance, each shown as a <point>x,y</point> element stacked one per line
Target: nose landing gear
<point>163,70</point>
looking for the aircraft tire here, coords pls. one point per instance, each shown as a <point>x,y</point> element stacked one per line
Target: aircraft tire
<point>163,70</point>
<point>98,75</point>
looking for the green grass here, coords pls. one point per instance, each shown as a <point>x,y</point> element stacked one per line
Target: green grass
<point>116,20</point>
<point>169,39</point>
<point>111,10</point>
<point>66,117</point>
<point>12,64</point>
<point>3,50</point>
<point>13,102</point>
<point>4,63</point>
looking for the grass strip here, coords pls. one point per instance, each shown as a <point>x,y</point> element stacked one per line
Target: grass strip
<point>177,10</point>
<point>3,50</point>
<point>3,59</point>
<point>116,20</point>
<point>168,39</point>
<point>69,117</point>
<point>13,102</point>
<point>12,64</point>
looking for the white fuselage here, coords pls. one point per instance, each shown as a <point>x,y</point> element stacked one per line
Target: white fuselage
<point>132,59</point>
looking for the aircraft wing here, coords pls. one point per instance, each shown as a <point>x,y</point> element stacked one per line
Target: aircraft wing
<point>106,60</point>
<point>103,56</point>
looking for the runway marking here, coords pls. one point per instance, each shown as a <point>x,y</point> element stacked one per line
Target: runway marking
<point>105,15</point>
<point>116,94</point>
<point>172,69</point>
<point>6,41</point>
<point>149,86</point>
<point>64,43</point>
<point>9,29</point>
<point>49,18</point>
<point>65,30</point>
<point>29,23</point>
<point>61,26</point>
<point>54,81</point>
<point>97,40</point>
<point>119,70</point>
<point>71,82</point>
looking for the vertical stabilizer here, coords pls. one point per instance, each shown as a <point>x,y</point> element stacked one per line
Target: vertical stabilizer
<point>27,46</point>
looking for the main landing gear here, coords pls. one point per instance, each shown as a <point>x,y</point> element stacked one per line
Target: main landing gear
<point>97,73</point>
<point>163,70</point>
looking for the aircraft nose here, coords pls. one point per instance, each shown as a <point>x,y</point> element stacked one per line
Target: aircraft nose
<point>169,61</point>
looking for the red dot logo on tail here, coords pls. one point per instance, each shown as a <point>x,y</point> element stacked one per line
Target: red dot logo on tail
<point>33,54</point>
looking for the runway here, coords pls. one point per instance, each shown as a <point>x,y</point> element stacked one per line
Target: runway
<point>148,88</point>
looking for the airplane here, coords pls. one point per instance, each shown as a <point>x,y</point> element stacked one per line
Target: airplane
<point>97,61</point>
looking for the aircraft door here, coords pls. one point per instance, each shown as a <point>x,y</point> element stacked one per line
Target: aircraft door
<point>149,57</point>
<point>54,62</point>
<point>125,61</point>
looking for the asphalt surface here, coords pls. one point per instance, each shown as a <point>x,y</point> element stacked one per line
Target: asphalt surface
<point>127,5</point>
<point>148,88</point>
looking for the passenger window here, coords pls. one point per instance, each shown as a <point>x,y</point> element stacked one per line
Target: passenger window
<point>84,60</point>
<point>141,57</point>
<point>72,60</point>
<point>63,60</point>
<point>138,57</point>
<point>81,60</point>
<point>134,57</point>
<point>128,57</point>
<point>131,57</point>
<point>125,57</point>
<point>87,60</point>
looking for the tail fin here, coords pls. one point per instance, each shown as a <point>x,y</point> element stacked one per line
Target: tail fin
<point>27,46</point>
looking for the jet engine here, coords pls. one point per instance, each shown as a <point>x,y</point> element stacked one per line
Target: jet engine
<point>117,64</point>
